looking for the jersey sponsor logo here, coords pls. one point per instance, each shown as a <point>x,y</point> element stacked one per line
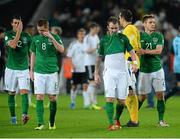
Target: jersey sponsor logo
<point>24,39</point>
<point>6,38</point>
<point>155,40</point>
<point>37,41</point>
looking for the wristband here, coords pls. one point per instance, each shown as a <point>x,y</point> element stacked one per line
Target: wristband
<point>135,62</point>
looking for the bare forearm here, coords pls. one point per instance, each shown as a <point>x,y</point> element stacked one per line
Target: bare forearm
<point>98,63</point>
<point>153,52</point>
<point>58,46</point>
<point>133,55</point>
<point>13,43</point>
<point>32,61</point>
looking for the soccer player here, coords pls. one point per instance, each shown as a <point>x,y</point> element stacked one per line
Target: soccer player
<point>113,45</point>
<point>175,49</point>
<point>44,69</point>
<point>91,41</point>
<point>17,72</point>
<point>76,53</point>
<point>125,18</point>
<point>151,71</point>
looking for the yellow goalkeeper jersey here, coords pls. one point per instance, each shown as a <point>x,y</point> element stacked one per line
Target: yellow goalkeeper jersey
<point>134,37</point>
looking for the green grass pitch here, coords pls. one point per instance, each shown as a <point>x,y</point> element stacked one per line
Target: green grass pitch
<point>81,123</point>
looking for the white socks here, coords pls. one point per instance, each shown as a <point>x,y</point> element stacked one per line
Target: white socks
<point>86,98</point>
<point>92,93</point>
<point>73,96</point>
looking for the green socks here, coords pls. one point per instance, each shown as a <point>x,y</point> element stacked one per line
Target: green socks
<point>25,103</point>
<point>40,112</point>
<point>119,110</point>
<point>110,112</point>
<point>53,109</point>
<point>161,109</point>
<point>11,103</point>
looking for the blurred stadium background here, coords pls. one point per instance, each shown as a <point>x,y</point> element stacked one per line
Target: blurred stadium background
<point>72,14</point>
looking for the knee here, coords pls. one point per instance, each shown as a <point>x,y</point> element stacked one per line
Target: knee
<point>40,97</point>
<point>142,97</point>
<point>131,93</point>
<point>160,95</point>
<point>52,97</point>
<point>122,102</point>
<point>73,87</point>
<point>24,91</point>
<point>85,87</point>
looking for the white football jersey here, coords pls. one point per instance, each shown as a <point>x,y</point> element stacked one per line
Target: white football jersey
<point>90,42</point>
<point>76,52</point>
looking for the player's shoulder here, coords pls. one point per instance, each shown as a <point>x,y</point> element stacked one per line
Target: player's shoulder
<point>25,34</point>
<point>36,37</point>
<point>130,28</point>
<point>122,36</point>
<point>8,33</point>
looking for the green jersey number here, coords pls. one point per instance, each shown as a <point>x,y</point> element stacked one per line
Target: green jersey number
<point>149,46</point>
<point>43,46</point>
<point>19,44</point>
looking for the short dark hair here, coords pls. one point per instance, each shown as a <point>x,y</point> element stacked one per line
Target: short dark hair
<point>43,22</point>
<point>16,16</point>
<point>81,30</point>
<point>93,25</point>
<point>112,19</point>
<point>147,16</point>
<point>126,14</point>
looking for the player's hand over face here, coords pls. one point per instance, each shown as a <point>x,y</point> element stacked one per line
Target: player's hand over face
<point>48,34</point>
<point>97,78</point>
<point>134,68</point>
<point>19,26</point>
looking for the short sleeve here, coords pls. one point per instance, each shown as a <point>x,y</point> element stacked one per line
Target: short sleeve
<point>58,39</point>
<point>33,46</point>
<point>7,38</point>
<point>160,40</point>
<point>101,48</point>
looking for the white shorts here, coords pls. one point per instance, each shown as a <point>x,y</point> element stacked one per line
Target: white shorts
<point>131,76</point>
<point>148,80</point>
<point>46,83</point>
<point>115,84</point>
<point>16,79</point>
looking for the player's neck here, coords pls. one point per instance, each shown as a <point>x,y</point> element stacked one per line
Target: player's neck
<point>149,31</point>
<point>126,24</point>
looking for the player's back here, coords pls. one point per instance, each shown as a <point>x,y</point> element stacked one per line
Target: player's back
<point>133,35</point>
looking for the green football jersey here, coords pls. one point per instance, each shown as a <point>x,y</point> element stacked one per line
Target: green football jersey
<point>112,44</point>
<point>18,58</point>
<point>46,54</point>
<point>151,63</point>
